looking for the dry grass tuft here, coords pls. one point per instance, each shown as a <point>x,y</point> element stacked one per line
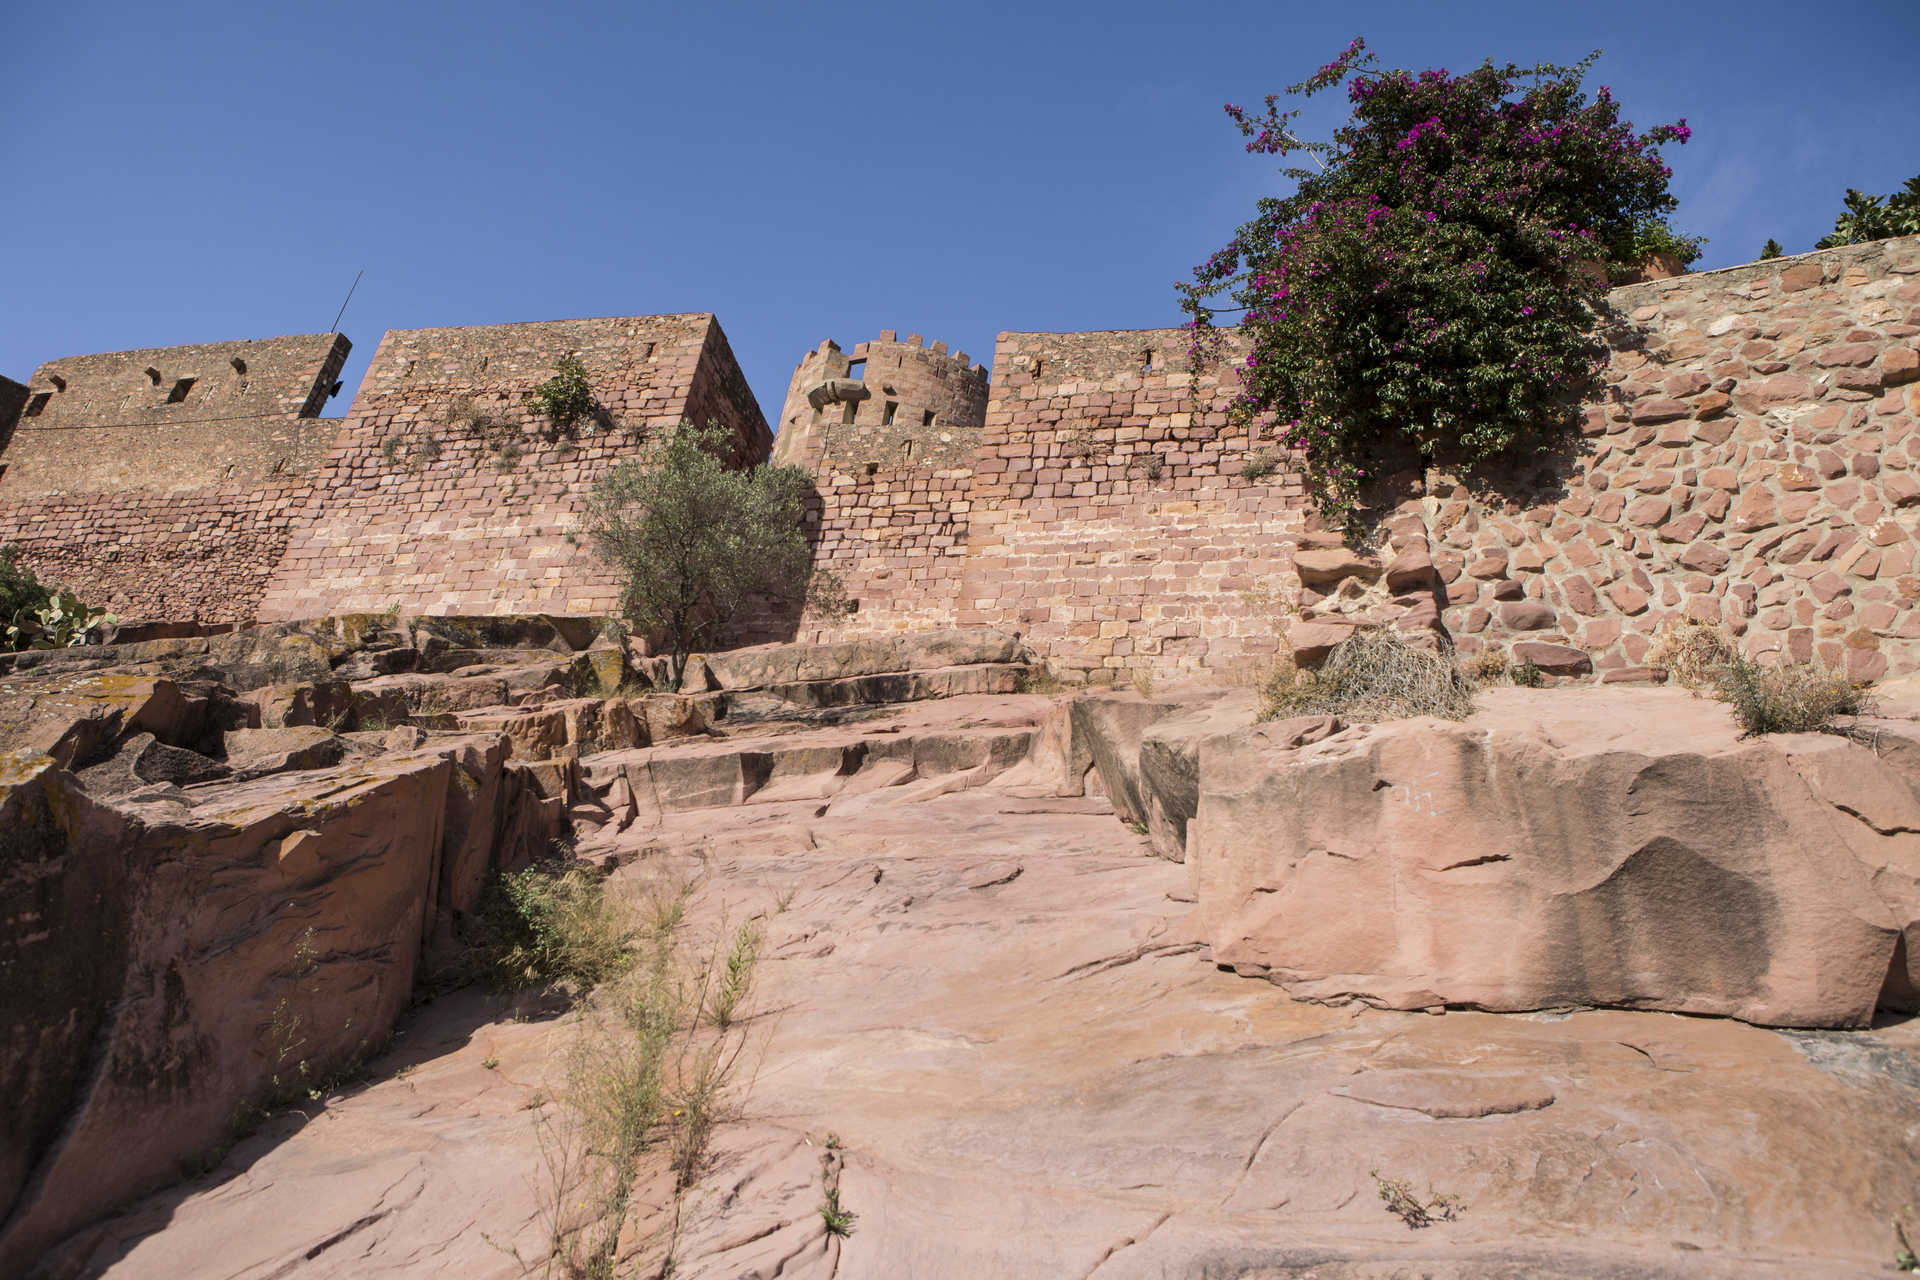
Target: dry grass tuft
<point>1371,675</point>
<point>1692,652</point>
<point>1788,698</point>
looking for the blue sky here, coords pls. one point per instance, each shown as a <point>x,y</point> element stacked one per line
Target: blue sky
<point>196,172</point>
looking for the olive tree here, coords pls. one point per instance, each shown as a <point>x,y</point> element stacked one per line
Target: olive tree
<point>697,542</point>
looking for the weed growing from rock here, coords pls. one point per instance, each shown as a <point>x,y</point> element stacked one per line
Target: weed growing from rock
<point>653,1069</point>
<point>1397,1195</point>
<point>839,1220</point>
<point>552,922</point>
<point>1371,675</point>
<point>1788,698</point>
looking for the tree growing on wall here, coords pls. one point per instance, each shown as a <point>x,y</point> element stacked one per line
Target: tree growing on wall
<point>697,542</point>
<point>1431,284</point>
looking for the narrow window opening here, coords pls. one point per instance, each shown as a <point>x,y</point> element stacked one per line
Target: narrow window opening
<point>893,407</point>
<point>926,419</point>
<point>239,365</point>
<point>153,375</point>
<point>1146,362</point>
<point>3,471</point>
<point>646,351</point>
<point>180,389</point>
<point>1039,367</point>
<point>37,405</point>
<point>857,368</point>
<point>906,450</point>
<point>873,468</point>
<point>59,383</point>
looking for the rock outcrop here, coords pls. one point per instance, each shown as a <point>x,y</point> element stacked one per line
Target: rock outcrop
<point>1565,848</point>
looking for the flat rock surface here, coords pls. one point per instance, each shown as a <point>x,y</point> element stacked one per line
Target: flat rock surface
<point>991,1016</point>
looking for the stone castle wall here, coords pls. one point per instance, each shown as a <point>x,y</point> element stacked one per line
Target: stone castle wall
<point>887,403</point>
<point>446,493</point>
<point>163,500</point>
<point>441,491</point>
<point>1111,524</point>
<point>1750,464</point>
<point>190,555</point>
<point>1747,465</point>
<point>1753,464</point>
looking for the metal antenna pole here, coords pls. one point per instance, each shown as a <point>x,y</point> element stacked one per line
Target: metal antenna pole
<point>335,328</point>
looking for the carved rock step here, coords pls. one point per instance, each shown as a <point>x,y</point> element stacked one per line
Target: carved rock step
<point>785,664</point>
<point>620,788</point>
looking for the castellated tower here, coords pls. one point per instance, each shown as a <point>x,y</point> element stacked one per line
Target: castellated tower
<point>888,402</point>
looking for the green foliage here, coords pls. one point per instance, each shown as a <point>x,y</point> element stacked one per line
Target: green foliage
<point>696,543</point>
<point>1866,217</point>
<point>1527,675</point>
<point>61,622</point>
<point>566,397</point>
<point>1771,249</point>
<point>1904,1258</point>
<point>1371,675</point>
<point>1260,465</point>
<point>839,1221</point>
<point>1789,698</point>
<point>1653,236</point>
<point>549,923</point>
<point>1428,292</point>
<point>737,976</point>
<point>19,589</point>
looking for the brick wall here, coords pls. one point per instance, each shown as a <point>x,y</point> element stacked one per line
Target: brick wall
<point>1110,523</point>
<point>1754,464</point>
<point>896,538</point>
<point>446,493</point>
<point>194,555</point>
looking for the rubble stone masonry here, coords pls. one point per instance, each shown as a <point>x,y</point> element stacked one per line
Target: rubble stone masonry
<point>1754,463</point>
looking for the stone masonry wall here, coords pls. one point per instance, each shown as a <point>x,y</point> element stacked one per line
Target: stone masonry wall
<point>892,403</point>
<point>446,493</point>
<point>1110,520</point>
<point>291,375</point>
<point>1755,464</point>
<point>896,537</point>
<point>193,555</point>
<point>13,398</point>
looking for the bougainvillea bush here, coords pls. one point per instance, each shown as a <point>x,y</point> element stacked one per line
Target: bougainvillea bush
<point>1431,284</point>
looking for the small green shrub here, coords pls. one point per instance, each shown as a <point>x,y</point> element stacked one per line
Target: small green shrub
<point>1789,698</point>
<point>1371,675</point>
<point>838,1220</point>
<point>19,589</point>
<point>547,923</point>
<point>1260,465</point>
<point>566,397</point>
<point>1527,675</point>
<point>1771,249</point>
